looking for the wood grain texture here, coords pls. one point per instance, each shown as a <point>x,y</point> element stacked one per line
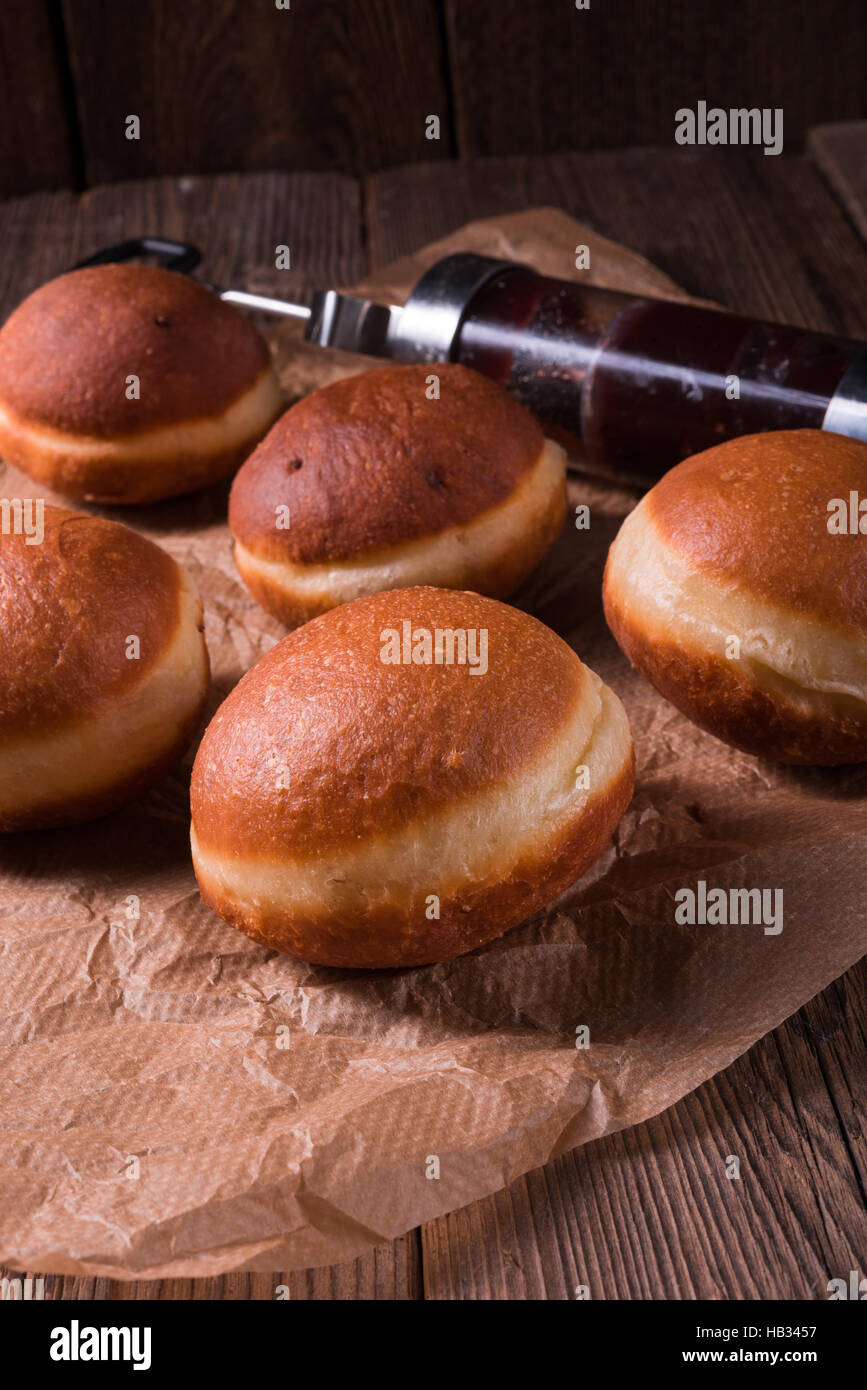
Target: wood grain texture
<point>529,79</point>
<point>389,1274</point>
<point>326,84</point>
<point>840,151</point>
<point>761,236</point>
<point>343,85</point>
<point>37,123</point>
<point>648,1213</point>
<point>317,215</point>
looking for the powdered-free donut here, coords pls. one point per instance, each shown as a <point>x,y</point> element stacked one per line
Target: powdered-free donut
<point>103,665</point>
<point>405,778</point>
<point>399,476</point>
<point>738,591</point>
<point>128,383</point>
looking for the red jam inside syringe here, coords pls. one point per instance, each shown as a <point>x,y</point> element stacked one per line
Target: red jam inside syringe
<point>644,383</point>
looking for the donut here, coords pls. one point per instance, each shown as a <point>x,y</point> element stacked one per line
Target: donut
<point>403,779</point>
<point>738,591</point>
<point>103,665</point>
<point>128,384</point>
<point>393,478</point>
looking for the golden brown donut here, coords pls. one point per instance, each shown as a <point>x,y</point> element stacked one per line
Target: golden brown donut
<point>88,718</point>
<point>354,811</point>
<point>369,484</point>
<point>68,413</point>
<point>729,592</point>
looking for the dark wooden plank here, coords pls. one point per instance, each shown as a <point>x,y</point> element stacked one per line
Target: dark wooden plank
<point>408,207</point>
<point>238,221</point>
<point>318,216</point>
<point>327,84</point>
<point>762,236</point>
<point>390,1273</point>
<point>535,78</point>
<point>649,1213</point>
<point>37,116</point>
<point>840,151</point>
<point>37,234</point>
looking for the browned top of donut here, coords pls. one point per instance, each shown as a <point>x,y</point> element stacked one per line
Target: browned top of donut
<point>370,462</point>
<point>67,350</point>
<point>362,746</point>
<point>755,511</point>
<point>67,607</point>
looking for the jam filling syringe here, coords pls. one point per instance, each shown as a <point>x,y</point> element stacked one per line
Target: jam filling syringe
<point>640,383</point>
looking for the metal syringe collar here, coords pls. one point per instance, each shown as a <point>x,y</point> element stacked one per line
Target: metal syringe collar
<point>428,326</point>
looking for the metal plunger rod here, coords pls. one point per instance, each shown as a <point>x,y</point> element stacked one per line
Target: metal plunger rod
<point>266,304</point>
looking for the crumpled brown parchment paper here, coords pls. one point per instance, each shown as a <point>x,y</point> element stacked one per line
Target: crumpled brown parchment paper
<point>177,1101</point>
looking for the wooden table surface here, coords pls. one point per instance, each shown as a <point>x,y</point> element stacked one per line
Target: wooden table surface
<point>643,1213</point>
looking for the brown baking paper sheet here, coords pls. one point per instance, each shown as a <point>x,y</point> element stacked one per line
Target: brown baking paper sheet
<point>142,1035</point>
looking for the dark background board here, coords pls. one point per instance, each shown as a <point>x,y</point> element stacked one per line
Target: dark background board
<point>238,84</point>
<point>347,85</point>
<point>534,77</point>
<point>37,124</point>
